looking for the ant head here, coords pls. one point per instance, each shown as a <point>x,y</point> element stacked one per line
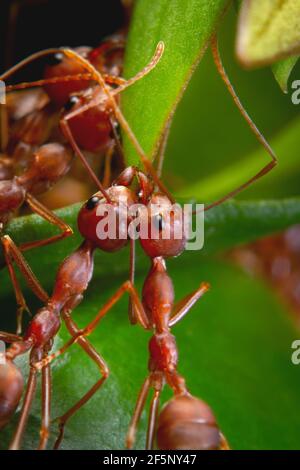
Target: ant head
<point>92,127</point>
<point>59,65</point>
<point>109,56</point>
<point>105,223</point>
<point>11,388</point>
<point>164,228</point>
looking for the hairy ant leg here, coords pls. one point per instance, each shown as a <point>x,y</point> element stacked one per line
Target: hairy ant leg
<point>38,208</point>
<point>155,381</point>
<point>13,253</point>
<point>97,76</point>
<point>102,366</point>
<point>46,407</point>
<point>269,166</point>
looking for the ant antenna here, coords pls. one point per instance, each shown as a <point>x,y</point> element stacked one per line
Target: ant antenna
<point>253,127</point>
<point>97,76</point>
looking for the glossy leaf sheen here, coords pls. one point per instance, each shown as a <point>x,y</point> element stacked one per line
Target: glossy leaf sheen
<point>185,26</point>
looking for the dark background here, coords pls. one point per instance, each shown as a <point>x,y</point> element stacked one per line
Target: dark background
<point>30,25</point>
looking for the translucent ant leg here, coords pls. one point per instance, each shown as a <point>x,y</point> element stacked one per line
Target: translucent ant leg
<point>13,253</point>
<point>183,306</point>
<point>259,136</point>
<point>28,399</point>
<point>101,364</point>
<point>48,215</point>
<point>153,416</point>
<point>46,407</point>
<point>119,115</point>
<point>140,405</point>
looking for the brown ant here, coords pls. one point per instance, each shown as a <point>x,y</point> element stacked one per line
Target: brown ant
<point>185,421</point>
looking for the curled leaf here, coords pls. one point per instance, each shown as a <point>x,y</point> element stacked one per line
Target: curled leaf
<point>268,30</point>
<point>282,71</point>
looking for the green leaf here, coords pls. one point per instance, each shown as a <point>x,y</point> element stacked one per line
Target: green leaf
<point>234,350</point>
<point>286,146</point>
<point>268,31</point>
<point>185,26</point>
<point>226,226</point>
<point>282,71</point>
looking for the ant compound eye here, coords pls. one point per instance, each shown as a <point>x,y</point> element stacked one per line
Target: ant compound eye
<point>71,102</point>
<point>55,59</point>
<point>158,222</point>
<point>92,202</point>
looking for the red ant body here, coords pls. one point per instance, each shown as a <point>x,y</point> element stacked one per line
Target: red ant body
<point>185,421</point>
<point>52,161</point>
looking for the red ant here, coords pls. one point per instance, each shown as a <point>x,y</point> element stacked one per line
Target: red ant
<point>91,112</point>
<point>36,115</point>
<point>185,421</point>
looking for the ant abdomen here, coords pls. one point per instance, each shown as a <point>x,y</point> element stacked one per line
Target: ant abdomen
<point>186,422</point>
<point>11,388</point>
<point>50,163</point>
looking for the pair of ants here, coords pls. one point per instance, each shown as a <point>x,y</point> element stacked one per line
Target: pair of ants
<point>185,422</point>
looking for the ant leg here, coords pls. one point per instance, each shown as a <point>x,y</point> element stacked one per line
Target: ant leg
<point>46,406</point>
<point>140,405</point>
<point>118,143</point>
<point>48,215</point>
<point>224,443</point>
<point>107,165</point>
<point>259,136</point>
<point>47,81</point>
<point>28,399</point>
<point>9,337</point>
<point>28,60</point>
<point>160,154</point>
<point>153,413</point>
<point>13,253</point>
<point>66,78</point>
<point>145,71</point>
<point>183,306</point>
<point>119,115</point>
<point>139,312</point>
<point>101,364</point>
<point>131,312</point>
<point>69,136</point>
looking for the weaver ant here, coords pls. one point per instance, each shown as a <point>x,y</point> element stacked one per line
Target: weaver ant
<point>91,112</point>
<point>185,421</point>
